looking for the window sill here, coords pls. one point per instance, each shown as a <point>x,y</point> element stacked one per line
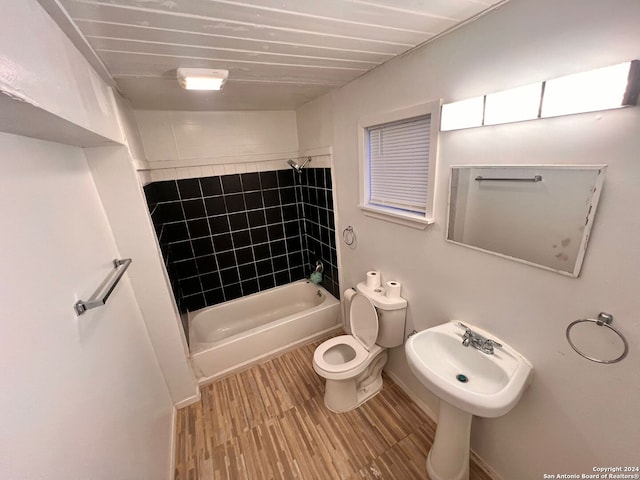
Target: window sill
<point>407,219</point>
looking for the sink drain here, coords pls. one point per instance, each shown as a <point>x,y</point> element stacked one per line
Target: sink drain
<point>462,378</point>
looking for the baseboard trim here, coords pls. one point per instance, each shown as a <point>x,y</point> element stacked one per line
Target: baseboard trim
<point>484,466</point>
<point>174,429</point>
<point>172,443</point>
<point>430,413</point>
<point>189,401</point>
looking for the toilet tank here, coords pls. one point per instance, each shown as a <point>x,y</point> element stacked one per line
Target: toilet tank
<point>392,313</point>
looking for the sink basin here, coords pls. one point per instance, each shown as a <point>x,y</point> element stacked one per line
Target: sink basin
<point>475,382</point>
<point>469,382</point>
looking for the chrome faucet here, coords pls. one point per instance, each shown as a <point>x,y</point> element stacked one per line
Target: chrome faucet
<point>485,345</point>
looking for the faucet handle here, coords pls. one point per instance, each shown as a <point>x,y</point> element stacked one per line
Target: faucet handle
<point>464,326</point>
<point>488,346</point>
<point>466,337</point>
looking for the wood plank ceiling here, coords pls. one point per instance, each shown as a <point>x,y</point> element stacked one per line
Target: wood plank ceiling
<point>280,53</point>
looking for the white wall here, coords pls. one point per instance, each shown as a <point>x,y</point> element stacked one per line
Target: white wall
<point>577,414</point>
<point>315,124</point>
<point>88,397</point>
<point>117,182</point>
<point>191,144</point>
<point>40,66</point>
<point>125,206</point>
<point>181,144</point>
<point>81,397</point>
<point>129,128</point>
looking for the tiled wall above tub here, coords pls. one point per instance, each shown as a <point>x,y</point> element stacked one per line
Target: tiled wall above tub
<point>319,224</point>
<point>227,236</point>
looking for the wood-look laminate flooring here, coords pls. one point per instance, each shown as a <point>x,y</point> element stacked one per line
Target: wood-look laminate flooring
<point>270,422</point>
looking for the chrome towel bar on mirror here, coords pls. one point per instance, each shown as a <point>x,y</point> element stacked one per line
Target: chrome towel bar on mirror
<point>101,295</point>
<point>535,179</point>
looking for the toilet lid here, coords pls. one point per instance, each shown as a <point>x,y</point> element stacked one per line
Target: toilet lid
<point>363,320</point>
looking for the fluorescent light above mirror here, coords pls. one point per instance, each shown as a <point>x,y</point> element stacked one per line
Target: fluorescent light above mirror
<point>513,105</point>
<point>591,91</point>
<point>201,78</point>
<point>463,114</point>
<point>601,89</point>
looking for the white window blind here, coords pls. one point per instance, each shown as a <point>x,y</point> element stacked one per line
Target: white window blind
<point>399,164</point>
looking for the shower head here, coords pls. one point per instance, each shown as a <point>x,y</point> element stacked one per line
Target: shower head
<point>298,168</point>
<point>293,165</point>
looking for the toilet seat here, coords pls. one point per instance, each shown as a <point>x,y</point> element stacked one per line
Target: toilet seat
<point>363,320</point>
<point>347,369</point>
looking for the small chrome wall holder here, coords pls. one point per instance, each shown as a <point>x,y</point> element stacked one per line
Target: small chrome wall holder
<point>604,320</point>
<point>103,292</point>
<point>349,236</point>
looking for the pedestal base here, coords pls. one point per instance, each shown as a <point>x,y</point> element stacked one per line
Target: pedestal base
<point>448,458</point>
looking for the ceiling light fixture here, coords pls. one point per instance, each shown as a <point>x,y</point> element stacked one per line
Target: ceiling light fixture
<point>202,78</point>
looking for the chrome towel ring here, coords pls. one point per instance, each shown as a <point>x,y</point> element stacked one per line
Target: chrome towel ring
<point>604,320</point>
<point>349,236</point>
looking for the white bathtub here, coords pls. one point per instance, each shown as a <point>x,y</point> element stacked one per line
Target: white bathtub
<point>232,335</point>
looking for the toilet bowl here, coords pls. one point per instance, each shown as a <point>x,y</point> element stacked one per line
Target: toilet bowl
<point>352,364</point>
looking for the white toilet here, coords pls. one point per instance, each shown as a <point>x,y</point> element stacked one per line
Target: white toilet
<point>352,364</point>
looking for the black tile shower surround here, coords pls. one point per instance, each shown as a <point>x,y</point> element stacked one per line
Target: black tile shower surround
<point>317,216</point>
<point>228,236</point>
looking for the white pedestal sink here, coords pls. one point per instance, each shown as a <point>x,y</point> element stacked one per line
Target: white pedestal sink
<point>468,382</point>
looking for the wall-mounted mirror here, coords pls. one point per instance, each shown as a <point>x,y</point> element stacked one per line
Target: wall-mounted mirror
<point>539,215</point>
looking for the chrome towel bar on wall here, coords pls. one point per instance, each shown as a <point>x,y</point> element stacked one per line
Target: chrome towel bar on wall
<point>101,295</point>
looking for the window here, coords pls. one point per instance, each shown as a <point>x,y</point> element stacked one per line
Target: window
<point>397,159</point>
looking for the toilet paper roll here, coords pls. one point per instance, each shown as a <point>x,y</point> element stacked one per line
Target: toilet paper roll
<point>393,289</point>
<point>373,279</point>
